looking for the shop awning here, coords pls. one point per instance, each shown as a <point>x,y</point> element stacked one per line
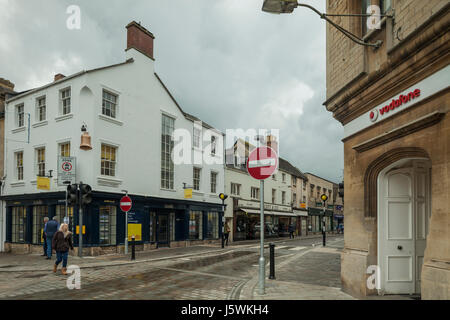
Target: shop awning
<point>270,213</point>
<point>301,213</point>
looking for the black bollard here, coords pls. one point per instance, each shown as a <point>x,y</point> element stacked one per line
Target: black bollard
<point>272,261</point>
<point>133,248</point>
<point>223,240</point>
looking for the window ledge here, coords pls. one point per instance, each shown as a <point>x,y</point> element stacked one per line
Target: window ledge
<point>33,182</point>
<point>109,119</point>
<point>171,190</point>
<point>40,124</point>
<point>17,184</point>
<point>108,181</point>
<point>64,117</point>
<point>17,130</point>
<point>196,192</point>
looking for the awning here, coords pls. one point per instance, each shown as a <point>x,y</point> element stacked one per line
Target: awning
<point>270,213</point>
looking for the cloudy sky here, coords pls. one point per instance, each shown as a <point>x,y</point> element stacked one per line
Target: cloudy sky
<point>225,61</point>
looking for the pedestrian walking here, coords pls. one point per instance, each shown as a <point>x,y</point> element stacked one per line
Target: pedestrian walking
<point>51,227</point>
<point>291,230</point>
<point>227,232</point>
<point>44,237</point>
<point>62,242</point>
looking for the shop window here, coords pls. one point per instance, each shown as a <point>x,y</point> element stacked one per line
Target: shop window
<point>19,222</point>
<point>39,212</point>
<point>107,225</point>
<point>213,225</point>
<point>61,214</point>
<point>195,225</point>
<point>152,227</point>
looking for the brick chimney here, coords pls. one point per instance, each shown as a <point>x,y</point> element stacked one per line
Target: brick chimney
<point>140,39</point>
<point>59,76</point>
<point>6,84</point>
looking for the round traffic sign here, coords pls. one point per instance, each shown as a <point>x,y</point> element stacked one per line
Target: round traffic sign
<point>125,204</point>
<point>262,163</point>
<point>66,166</point>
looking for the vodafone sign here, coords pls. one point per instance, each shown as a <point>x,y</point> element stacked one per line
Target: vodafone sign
<point>433,84</point>
<point>402,99</point>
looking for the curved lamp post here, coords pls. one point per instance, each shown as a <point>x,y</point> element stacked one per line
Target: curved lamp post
<point>288,6</point>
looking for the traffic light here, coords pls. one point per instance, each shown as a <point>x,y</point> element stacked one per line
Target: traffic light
<point>86,194</point>
<point>223,196</point>
<point>72,194</point>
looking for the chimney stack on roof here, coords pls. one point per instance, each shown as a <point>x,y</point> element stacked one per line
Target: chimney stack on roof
<point>59,76</point>
<point>140,39</point>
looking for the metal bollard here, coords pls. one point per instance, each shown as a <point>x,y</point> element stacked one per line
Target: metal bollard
<point>272,261</point>
<point>133,248</point>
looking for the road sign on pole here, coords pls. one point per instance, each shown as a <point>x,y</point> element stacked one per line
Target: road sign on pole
<point>66,170</point>
<point>261,164</point>
<point>125,206</point>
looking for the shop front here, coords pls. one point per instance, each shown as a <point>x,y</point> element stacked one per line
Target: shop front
<point>154,222</point>
<point>247,220</point>
<point>316,217</point>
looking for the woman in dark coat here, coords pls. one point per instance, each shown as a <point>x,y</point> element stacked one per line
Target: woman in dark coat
<point>62,242</point>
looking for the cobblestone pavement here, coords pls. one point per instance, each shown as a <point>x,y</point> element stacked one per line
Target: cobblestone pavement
<point>192,273</point>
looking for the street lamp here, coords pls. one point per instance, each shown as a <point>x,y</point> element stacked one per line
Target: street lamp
<point>288,6</point>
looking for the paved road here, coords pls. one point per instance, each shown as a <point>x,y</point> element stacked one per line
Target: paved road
<point>218,274</point>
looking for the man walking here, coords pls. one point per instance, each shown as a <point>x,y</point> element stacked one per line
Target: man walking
<point>50,229</point>
<point>44,238</point>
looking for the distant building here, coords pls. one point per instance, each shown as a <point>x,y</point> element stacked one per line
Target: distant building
<point>316,187</point>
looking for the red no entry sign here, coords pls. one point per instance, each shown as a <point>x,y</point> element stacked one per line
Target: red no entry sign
<point>125,204</point>
<point>262,163</point>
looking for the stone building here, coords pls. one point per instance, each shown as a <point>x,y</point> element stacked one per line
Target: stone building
<point>316,187</point>
<point>393,102</point>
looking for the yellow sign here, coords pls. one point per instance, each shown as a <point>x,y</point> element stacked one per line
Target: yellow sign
<point>42,235</point>
<point>188,193</point>
<point>78,230</point>
<point>303,205</point>
<point>43,183</point>
<point>135,230</point>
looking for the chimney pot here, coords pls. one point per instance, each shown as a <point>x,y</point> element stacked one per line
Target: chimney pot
<point>59,76</point>
<point>140,39</point>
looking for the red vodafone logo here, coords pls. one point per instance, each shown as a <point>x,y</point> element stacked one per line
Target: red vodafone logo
<point>262,163</point>
<point>402,99</point>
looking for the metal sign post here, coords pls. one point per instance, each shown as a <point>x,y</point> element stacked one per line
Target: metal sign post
<point>262,270</point>
<point>125,206</point>
<point>261,164</point>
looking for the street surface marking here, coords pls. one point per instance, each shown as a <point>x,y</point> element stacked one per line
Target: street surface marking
<point>297,248</point>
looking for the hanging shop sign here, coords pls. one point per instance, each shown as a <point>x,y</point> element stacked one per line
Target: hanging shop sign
<point>43,183</point>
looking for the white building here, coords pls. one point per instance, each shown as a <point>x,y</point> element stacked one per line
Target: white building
<point>243,204</point>
<point>131,117</point>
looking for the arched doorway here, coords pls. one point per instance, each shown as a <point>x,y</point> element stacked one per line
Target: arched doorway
<point>404,208</point>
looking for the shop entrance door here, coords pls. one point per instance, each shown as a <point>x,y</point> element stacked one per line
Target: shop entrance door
<point>162,231</point>
<point>404,209</point>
